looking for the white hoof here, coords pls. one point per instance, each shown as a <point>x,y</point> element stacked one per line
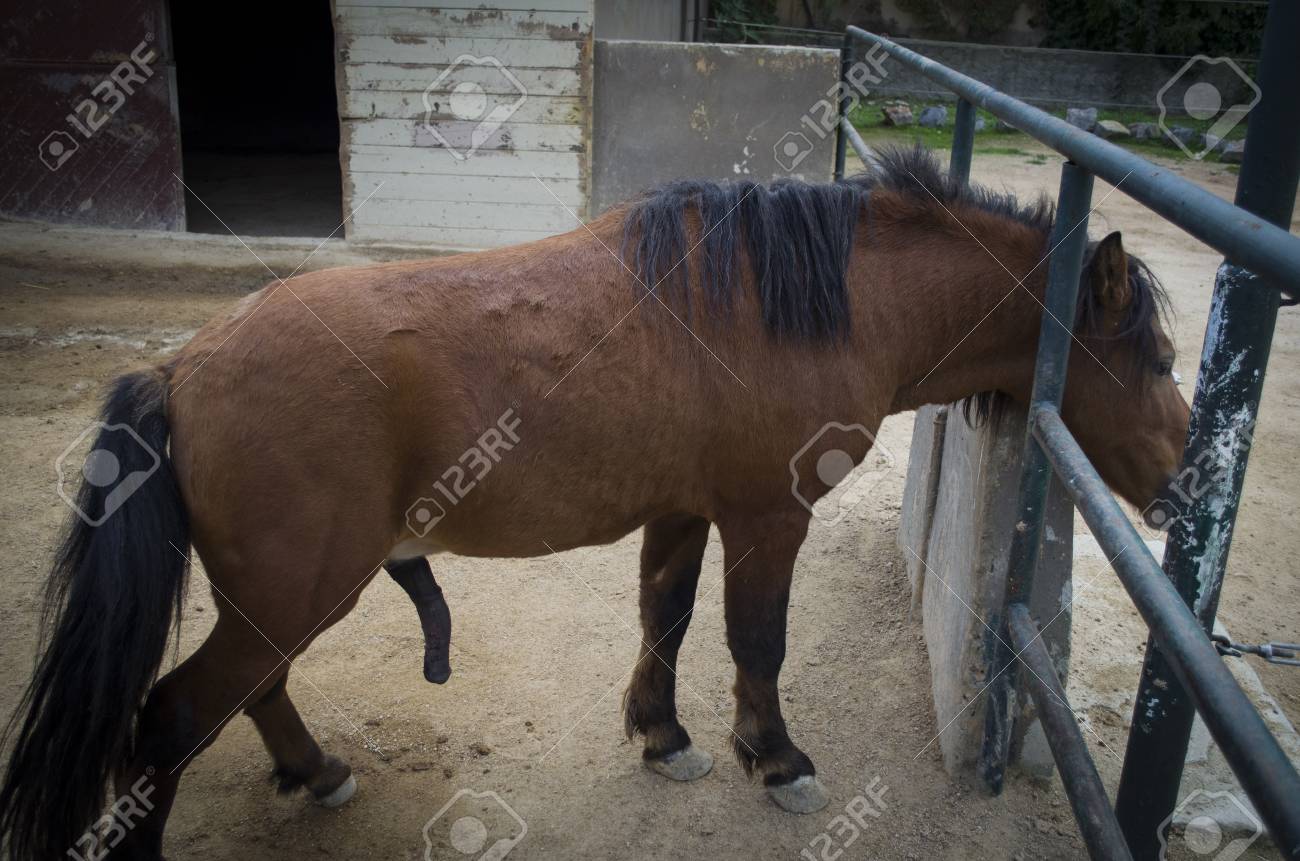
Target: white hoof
<point>802,795</point>
<point>689,763</point>
<point>340,796</point>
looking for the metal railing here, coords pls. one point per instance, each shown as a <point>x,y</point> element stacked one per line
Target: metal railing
<point>1183,673</point>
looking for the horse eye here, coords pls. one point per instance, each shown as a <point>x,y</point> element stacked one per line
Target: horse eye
<point>1165,367</point>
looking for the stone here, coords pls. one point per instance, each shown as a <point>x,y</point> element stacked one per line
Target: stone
<point>1145,131</point>
<point>1109,129</point>
<point>1214,143</point>
<point>1233,152</point>
<point>1190,138</point>
<point>897,114</point>
<point>1081,118</point>
<point>933,117</point>
<point>979,123</point>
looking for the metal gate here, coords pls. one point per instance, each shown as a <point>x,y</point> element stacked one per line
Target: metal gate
<point>1183,673</point>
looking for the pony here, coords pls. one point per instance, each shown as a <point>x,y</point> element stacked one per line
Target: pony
<point>669,367</point>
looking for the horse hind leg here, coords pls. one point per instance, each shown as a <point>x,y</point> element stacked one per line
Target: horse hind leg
<point>299,761</point>
<point>670,569</point>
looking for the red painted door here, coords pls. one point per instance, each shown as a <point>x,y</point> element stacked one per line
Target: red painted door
<point>88,121</point>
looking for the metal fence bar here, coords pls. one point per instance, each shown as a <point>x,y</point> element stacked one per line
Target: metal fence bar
<point>1097,823</point>
<point>1069,239</point>
<point>849,133</point>
<point>846,102</point>
<point>1234,357</point>
<point>1254,754</point>
<point>1251,241</point>
<point>963,142</point>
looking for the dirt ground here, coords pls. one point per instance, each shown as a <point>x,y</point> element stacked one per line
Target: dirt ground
<point>542,647</point>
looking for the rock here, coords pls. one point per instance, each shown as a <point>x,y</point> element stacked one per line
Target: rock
<point>897,114</point>
<point>1145,131</point>
<point>1233,152</point>
<point>1110,129</point>
<point>933,117</point>
<point>480,748</point>
<point>979,123</point>
<point>1082,118</point>
<point>1213,143</point>
<point>1189,138</point>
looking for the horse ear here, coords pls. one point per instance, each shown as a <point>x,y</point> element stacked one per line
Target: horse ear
<point>1108,274</point>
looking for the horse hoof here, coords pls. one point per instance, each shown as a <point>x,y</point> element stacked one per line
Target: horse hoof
<point>689,763</point>
<point>340,796</point>
<point>802,795</point>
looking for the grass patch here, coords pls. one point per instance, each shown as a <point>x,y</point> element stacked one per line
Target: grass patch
<point>870,123</point>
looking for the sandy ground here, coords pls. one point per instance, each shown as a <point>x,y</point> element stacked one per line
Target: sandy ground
<point>542,647</point>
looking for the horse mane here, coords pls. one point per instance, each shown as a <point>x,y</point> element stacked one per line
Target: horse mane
<point>798,237</point>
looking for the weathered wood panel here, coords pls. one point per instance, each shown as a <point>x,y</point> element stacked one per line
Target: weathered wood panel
<point>450,111</point>
<point>511,53</point>
<point>382,104</point>
<point>473,189</point>
<point>365,158</point>
<point>477,23</point>
<point>417,77</point>
<point>581,6</point>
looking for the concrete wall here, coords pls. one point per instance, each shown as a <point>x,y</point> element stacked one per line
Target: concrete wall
<point>1054,77</point>
<point>959,512</point>
<point>652,20</point>
<point>669,110</point>
<point>446,147</point>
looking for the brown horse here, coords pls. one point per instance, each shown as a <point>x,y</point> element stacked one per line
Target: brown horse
<point>540,398</point>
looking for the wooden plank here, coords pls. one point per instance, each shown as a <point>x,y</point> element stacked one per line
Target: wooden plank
<point>368,158</point>
<point>365,104</point>
<point>463,136</point>
<point>442,22</point>
<point>462,238</point>
<point>472,189</point>
<point>514,5</point>
<point>417,77</point>
<point>511,53</point>
<point>494,216</point>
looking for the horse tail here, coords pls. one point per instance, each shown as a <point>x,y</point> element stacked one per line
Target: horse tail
<point>115,592</point>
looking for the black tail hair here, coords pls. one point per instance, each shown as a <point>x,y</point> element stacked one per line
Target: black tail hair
<point>115,591</point>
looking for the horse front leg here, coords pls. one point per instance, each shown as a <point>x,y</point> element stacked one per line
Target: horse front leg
<point>759,554</point>
<point>670,569</point>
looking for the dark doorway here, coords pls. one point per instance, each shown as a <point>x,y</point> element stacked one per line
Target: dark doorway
<point>259,117</point>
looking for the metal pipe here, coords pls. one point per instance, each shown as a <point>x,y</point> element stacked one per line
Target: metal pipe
<point>1097,823</point>
<point>855,140</point>
<point>1250,240</point>
<point>846,102</point>
<point>1202,514</point>
<point>963,142</point>
<point>1254,754</point>
<point>1069,239</point>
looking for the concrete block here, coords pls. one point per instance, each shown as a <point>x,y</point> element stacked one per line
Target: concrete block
<point>674,110</point>
<point>967,544</point>
<point>920,492</point>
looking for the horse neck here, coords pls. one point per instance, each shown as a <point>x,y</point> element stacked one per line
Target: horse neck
<point>954,320</point>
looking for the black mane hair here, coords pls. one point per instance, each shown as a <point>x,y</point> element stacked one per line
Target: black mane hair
<point>797,235</point>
